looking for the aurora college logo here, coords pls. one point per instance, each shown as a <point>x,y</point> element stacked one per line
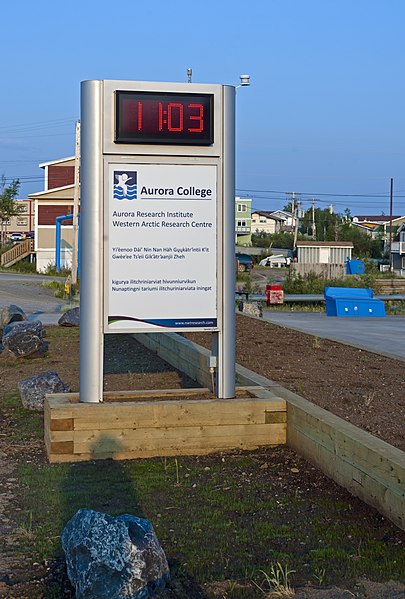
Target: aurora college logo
<point>125,185</point>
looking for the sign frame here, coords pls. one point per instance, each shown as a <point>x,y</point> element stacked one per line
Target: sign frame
<point>98,148</point>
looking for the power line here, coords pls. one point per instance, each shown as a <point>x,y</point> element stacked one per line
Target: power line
<point>312,193</point>
<point>37,125</point>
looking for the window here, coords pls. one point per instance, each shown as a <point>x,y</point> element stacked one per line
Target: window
<point>241,223</point>
<point>24,208</point>
<point>22,222</point>
<point>242,208</point>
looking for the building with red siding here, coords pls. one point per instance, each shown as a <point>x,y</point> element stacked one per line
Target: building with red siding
<point>56,200</point>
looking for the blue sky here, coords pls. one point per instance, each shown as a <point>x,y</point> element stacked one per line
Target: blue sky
<point>324,115</point>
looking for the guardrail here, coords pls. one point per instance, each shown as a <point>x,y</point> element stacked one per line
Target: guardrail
<point>313,297</point>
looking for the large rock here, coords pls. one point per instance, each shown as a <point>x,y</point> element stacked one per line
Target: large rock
<point>23,338</point>
<point>33,390</point>
<point>70,318</point>
<point>251,308</point>
<point>11,313</point>
<point>113,558</point>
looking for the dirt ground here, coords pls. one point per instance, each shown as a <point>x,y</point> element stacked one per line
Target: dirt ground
<point>361,387</point>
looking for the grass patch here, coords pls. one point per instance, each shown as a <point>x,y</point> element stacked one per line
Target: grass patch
<point>226,519</point>
<point>26,425</point>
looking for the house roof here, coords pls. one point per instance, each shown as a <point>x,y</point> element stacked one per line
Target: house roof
<point>382,218</point>
<point>60,161</point>
<point>337,244</point>
<point>282,213</point>
<point>266,213</point>
<point>54,193</point>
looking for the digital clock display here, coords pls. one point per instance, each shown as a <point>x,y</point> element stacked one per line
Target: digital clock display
<point>164,118</point>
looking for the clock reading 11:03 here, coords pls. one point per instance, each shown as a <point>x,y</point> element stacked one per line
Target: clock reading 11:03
<point>164,118</point>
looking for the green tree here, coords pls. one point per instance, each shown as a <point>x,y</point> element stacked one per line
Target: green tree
<point>8,205</point>
<point>364,246</point>
<point>268,240</point>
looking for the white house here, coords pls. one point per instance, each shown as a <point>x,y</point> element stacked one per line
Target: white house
<point>324,252</point>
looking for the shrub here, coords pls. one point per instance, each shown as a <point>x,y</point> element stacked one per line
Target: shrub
<point>315,284</point>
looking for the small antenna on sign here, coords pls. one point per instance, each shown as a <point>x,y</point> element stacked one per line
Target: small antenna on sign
<point>189,73</point>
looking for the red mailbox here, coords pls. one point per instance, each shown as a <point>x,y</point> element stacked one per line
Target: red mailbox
<point>274,294</point>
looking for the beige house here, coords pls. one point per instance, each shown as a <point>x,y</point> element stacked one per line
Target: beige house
<point>23,222</point>
<point>56,200</point>
<point>265,222</point>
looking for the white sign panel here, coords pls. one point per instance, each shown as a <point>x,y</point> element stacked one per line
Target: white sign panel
<point>160,255</point>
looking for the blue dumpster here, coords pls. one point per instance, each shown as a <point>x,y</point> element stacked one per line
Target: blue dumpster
<point>348,301</point>
<point>355,267</point>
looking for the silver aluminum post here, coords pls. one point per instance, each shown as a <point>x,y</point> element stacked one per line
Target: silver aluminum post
<point>226,338</point>
<point>91,232</point>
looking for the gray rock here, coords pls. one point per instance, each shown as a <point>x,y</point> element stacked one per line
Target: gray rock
<point>33,390</point>
<point>251,308</point>
<point>113,558</point>
<point>11,313</point>
<point>71,318</point>
<point>23,338</point>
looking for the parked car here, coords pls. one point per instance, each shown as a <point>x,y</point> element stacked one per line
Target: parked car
<point>29,235</point>
<point>244,262</point>
<point>16,236</point>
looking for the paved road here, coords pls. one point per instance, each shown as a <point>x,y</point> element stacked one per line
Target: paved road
<point>27,291</point>
<point>385,336</point>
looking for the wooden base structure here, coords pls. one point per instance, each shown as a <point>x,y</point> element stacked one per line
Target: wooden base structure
<point>142,424</point>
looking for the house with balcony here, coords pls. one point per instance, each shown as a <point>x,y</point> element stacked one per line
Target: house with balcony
<point>398,251</point>
<point>286,219</point>
<point>243,221</point>
<point>378,226</point>
<point>54,201</point>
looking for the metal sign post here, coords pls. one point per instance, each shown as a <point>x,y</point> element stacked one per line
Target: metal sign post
<point>157,218</point>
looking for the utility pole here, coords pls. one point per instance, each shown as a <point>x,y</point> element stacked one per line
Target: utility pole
<point>390,248</point>
<point>292,194</point>
<point>313,219</point>
<point>297,220</point>
<point>76,197</point>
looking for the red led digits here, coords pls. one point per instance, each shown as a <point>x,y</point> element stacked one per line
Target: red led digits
<point>140,123</point>
<point>164,118</point>
<point>197,117</point>
<point>173,118</point>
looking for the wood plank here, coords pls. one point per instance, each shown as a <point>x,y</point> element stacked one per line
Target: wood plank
<point>61,436</point>
<point>61,424</point>
<point>271,417</point>
<point>353,446</point>
<point>61,447</point>
<point>194,438</point>
<point>369,468</point>
<point>61,413</point>
<point>60,399</point>
<point>60,458</point>
<point>157,395</point>
<point>173,414</point>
